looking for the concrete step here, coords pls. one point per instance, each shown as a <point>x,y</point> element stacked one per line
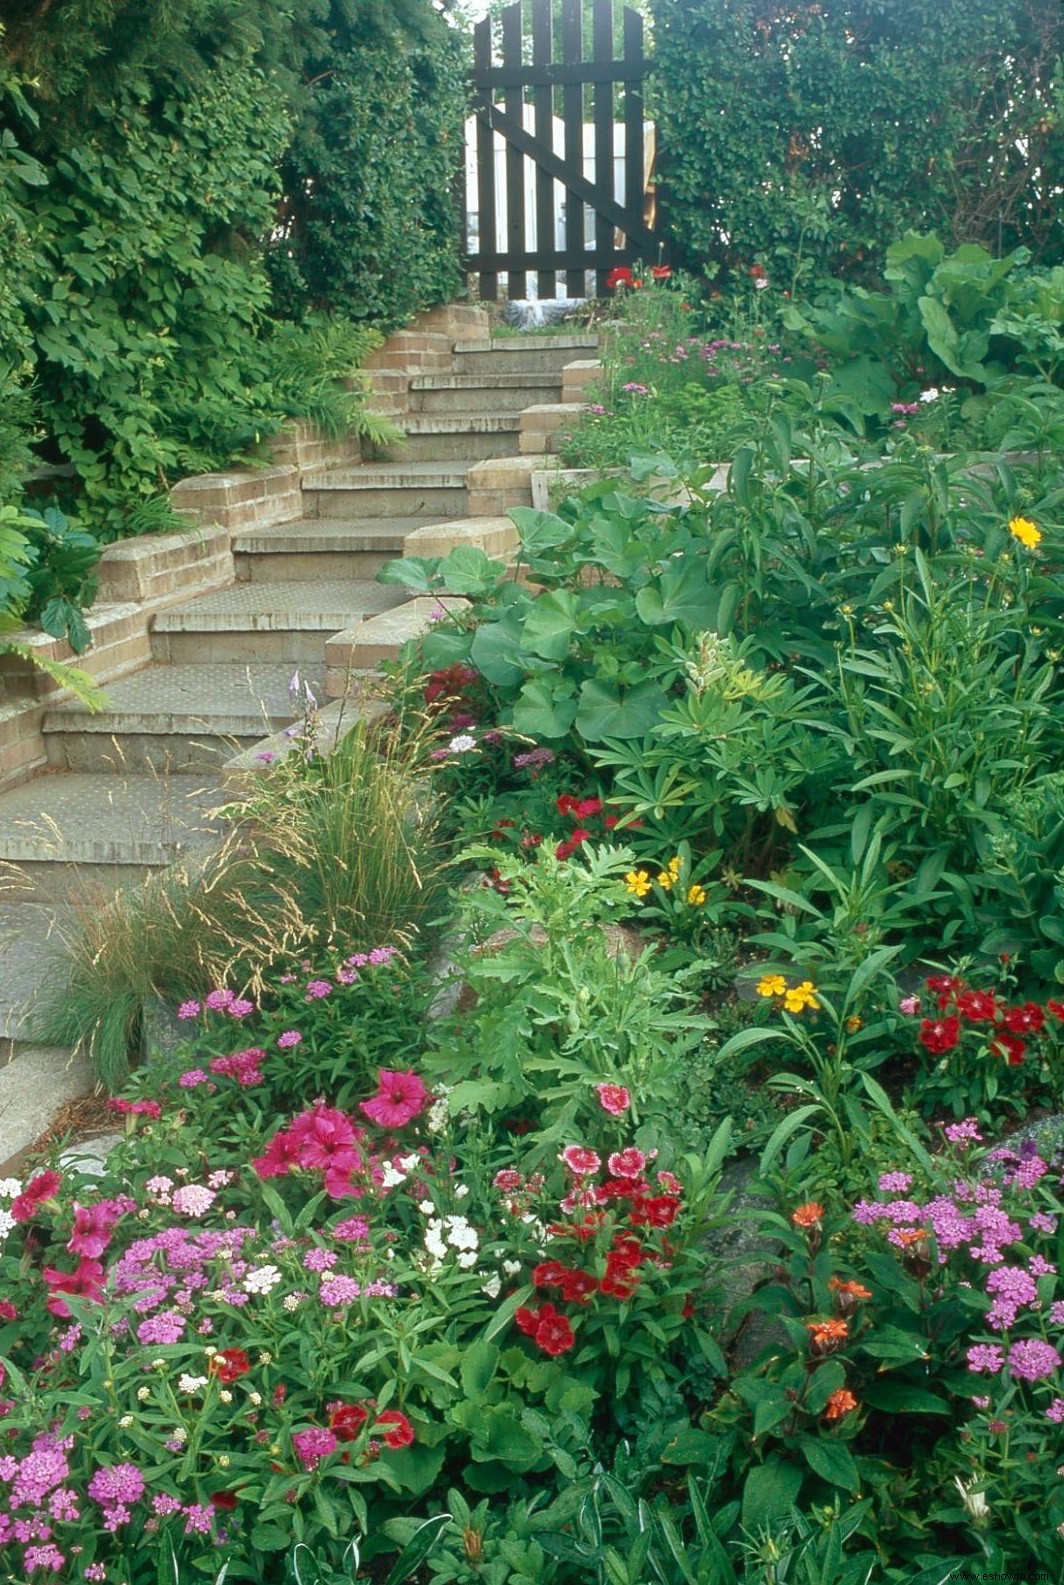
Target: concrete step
<point>457,437</point>
<point>475,393</point>
<point>510,355</point>
<point>366,645</point>
<point>111,830</point>
<point>322,547</point>
<point>176,718</point>
<point>407,489</point>
<point>30,932</point>
<point>33,1088</point>
<point>266,623</point>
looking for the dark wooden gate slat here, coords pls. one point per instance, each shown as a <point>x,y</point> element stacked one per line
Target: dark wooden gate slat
<point>631,224</point>
<point>573,119</point>
<point>579,65</point>
<point>543,101</point>
<point>486,237</point>
<point>633,116</point>
<point>602,49</point>
<point>515,164</point>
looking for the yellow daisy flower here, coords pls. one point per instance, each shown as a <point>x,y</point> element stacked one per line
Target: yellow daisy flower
<point>1025,531</point>
<point>637,882</point>
<point>771,985</point>
<point>696,896</point>
<point>798,997</point>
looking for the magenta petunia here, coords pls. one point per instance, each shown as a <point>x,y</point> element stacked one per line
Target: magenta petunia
<point>399,1099</point>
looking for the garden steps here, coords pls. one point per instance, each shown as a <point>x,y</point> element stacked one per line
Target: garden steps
<point>479,393</point>
<point>34,1085</point>
<point>179,718</point>
<point>367,645</point>
<point>27,928</point>
<point>492,355</point>
<point>106,829</point>
<point>267,623</point>
<point>456,437</point>
<point>409,489</point>
<point>322,547</point>
<point>278,573</point>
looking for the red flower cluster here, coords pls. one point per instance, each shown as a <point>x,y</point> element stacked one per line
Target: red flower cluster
<point>959,1005</point>
<point>449,690</point>
<point>549,1329</point>
<point>592,1218</point>
<point>42,1187</point>
<point>622,276</point>
<point>348,1420</point>
<point>228,1364</point>
<point>581,810</point>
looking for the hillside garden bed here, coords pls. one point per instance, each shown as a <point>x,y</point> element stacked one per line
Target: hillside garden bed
<point>414,1259</point>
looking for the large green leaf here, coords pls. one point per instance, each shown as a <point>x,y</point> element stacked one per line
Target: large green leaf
<point>608,711</point>
<point>682,596</point>
<point>551,623</point>
<point>497,652</point>
<point>832,1461</point>
<point>417,573</point>
<point>539,531</point>
<point>769,1494</point>
<point>545,707</point>
<point>467,569</point>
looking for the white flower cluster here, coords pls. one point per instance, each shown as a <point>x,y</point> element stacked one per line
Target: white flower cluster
<point>438,1113</point>
<point>9,1189</point>
<point>187,1383</point>
<point>397,1172</point>
<point>262,1279</point>
<point>453,1232</point>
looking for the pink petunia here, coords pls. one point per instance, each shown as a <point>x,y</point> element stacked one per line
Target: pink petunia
<point>399,1099</point>
<point>93,1225</point>
<point>84,1283</point>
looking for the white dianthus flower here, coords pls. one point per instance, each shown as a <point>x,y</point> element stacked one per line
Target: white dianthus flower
<point>262,1279</point>
<point>9,1188</point>
<point>467,1259</point>
<point>493,1286</point>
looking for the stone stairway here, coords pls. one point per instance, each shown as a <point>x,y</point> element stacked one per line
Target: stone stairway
<point>198,634</point>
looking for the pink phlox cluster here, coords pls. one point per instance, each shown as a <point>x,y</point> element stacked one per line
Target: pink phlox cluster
<point>243,1066</point>
<point>177,1259</point>
<point>1012,1288</point>
<point>313,1445</point>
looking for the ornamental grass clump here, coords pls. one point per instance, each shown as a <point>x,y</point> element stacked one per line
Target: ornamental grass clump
<point>331,849</point>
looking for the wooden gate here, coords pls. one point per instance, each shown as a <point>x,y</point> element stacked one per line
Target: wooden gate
<point>546,69</point>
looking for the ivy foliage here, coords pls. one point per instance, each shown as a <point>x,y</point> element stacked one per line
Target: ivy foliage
<point>176,176</point>
<point>805,137</point>
<point>370,225</point>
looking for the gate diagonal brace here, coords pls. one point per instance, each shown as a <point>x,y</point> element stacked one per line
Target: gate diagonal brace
<point>600,199</point>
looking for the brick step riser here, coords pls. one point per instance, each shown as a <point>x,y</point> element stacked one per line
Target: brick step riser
<point>302,566</point>
<point>138,753</point>
<point>485,404</point>
<point>415,363</point>
<point>386,501</point>
<point>454,447</point>
<point>268,647</point>
<point>521,360</point>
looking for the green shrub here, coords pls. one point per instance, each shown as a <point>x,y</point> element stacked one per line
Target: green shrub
<point>806,139</point>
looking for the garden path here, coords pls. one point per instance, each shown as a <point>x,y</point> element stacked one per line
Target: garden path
<point>128,790</point>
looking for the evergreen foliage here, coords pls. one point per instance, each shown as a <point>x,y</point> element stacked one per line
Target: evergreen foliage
<point>807,136</point>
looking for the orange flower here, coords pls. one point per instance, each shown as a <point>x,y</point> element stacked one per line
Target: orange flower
<point>841,1402</point>
<point>827,1335</point>
<point>849,1290</point>
<point>811,1214</point>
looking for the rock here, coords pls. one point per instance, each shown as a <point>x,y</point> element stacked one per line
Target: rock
<point>744,1259</point>
<point>161,1031</point>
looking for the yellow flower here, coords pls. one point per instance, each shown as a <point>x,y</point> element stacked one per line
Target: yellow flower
<point>666,880</point>
<point>674,867</point>
<point>696,896</point>
<point>796,998</point>
<point>771,985</point>
<point>637,882</point>
<point>853,1024</point>
<point>1024,530</point>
